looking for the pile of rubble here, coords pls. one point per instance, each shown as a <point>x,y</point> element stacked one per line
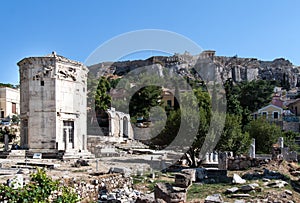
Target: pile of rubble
<point>252,191</point>
<point>122,195</point>
<point>264,174</point>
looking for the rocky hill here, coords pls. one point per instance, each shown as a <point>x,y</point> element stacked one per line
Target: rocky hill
<point>208,66</point>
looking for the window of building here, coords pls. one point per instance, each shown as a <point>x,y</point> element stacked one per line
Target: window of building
<point>169,103</point>
<point>42,82</point>
<point>265,114</point>
<point>275,115</point>
<point>2,114</point>
<point>14,108</point>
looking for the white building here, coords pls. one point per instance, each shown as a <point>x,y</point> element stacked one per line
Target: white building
<point>53,104</point>
<point>9,102</point>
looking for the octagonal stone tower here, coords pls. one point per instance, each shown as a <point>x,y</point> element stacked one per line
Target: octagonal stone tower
<point>53,104</point>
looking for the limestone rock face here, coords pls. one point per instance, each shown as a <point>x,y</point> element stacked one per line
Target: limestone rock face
<point>208,67</point>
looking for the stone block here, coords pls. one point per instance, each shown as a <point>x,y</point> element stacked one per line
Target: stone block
<point>237,179</point>
<point>168,193</point>
<point>191,172</point>
<point>183,180</point>
<point>215,198</point>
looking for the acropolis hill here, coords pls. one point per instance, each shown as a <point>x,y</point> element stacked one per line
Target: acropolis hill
<point>224,67</point>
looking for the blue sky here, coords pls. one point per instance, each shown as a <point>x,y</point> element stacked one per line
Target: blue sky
<point>251,28</point>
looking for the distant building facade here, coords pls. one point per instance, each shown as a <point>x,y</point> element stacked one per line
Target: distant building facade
<point>270,112</point>
<point>294,106</point>
<point>53,104</point>
<point>168,97</point>
<point>9,102</point>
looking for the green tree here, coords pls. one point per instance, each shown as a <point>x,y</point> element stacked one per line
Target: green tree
<point>186,116</point>
<point>285,83</point>
<point>264,133</point>
<point>114,82</point>
<point>169,132</point>
<point>204,115</point>
<point>102,97</point>
<point>92,84</point>
<point>290,140</point>
<point>232,98</point>
<point>37,190</point>
<point>9,131</point>
<point>143,100</point>
<point>8,85</point>
<point>15,119</point>
<point>232,138</point>
<point>254,94</point>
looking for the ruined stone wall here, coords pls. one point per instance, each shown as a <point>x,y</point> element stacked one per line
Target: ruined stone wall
<point>243,163</point>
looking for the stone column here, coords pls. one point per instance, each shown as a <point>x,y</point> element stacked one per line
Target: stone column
<point>223,161</point>
<point>111,125</point>
<point>281,144</point>
<point>215,157</point>
<point>252,149</point>
<point>121,127</point>
<point>6,141</point>
<point>84,140</point>
<point>207,157</point>
<point>211,157</point>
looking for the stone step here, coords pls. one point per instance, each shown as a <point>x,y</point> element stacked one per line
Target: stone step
<point>74,154</point>
<point>4,155</point>
<point>37,164</point>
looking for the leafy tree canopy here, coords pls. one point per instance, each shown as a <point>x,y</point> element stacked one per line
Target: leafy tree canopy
<point>264,133</point>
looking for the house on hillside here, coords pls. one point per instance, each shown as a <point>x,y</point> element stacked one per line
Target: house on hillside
<point>269,112</point>
<point>294,106</point>
<point>168,97</point>
<point>9,102</point>
<point>285,119</point>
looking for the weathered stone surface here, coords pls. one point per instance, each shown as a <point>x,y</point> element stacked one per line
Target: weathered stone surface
<point>145,199</point>
<point>249,187</point>
<point>232,190</point>
<point>191,172</point>
<point>125,171</point>
<point>223,161</point>
<point>216,198</point>
<point>237,179</point>
<point>53,94</point>
<point>183,180</point>
<point>240,195</point>
<point>277,184</point>
<point>239,201</point>
<point>223,67</point>
<point>168,193</point>
<point>288,192</point>
<point>81,162</point>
